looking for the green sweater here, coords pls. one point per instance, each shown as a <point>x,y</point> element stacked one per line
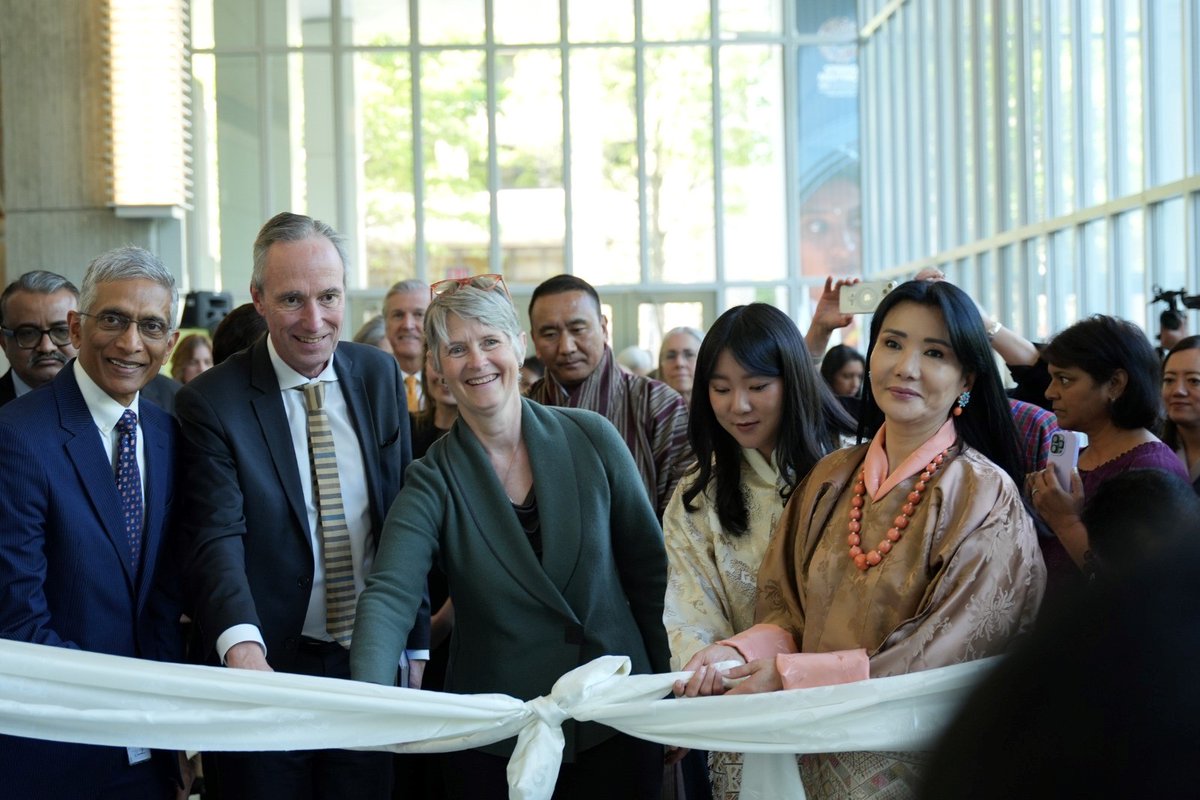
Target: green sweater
<point>520,624</point>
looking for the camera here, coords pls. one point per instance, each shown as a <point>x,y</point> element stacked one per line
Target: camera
<point>863,298</point>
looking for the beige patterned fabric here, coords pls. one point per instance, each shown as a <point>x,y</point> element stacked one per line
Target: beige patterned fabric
<point>863,776</point>
<point>965,579</point>
<point>712,578</point>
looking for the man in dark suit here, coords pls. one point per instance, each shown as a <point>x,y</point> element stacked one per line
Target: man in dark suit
<point>85,518</point>
<point>33,322</point>
<point>255,486</point>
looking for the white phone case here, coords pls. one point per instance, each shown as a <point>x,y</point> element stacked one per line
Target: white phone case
<point>1064,453</point>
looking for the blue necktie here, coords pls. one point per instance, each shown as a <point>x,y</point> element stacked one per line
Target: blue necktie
<point>129,483</point>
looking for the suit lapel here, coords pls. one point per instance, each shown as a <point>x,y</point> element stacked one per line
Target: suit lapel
<point>272,418</point>
<point>354,391</point>
<point>158,477</point>
<point>93,465</point>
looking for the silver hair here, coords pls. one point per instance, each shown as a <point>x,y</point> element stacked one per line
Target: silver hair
<point>634,358</point>
<point>289,227</point>
<point>126,264</point>
<point>689,330</point>
<point>38,281</point>
<point>372,331</point>
<point>406,286</point>
<point>481,301</point>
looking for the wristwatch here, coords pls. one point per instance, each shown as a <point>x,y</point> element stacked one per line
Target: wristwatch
<point>993,329</point>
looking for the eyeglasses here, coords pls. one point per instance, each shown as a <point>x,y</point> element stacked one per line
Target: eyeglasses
<point>112,322</point>
<point>29,336</point>
<point>485,282</point>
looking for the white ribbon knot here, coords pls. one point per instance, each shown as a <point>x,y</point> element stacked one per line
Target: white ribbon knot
<point>533,768</point>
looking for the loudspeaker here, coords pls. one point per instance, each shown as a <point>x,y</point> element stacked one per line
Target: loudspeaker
<point>205,309</point>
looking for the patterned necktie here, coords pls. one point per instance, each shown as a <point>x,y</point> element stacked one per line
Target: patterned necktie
<point>129,483</point>
<point>331,518</point>
<point>410,391</point>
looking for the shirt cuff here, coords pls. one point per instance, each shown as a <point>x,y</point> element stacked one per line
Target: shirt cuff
<point>762,641</point>
<point>414,655</point>
<point>806,670</point>
<point>244,632</point>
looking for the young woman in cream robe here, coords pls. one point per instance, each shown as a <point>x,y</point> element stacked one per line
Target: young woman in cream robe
<point>761,418</point>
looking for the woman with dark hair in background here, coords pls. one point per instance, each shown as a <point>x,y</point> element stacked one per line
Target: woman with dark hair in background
<point>1104,382</point>
<point>844,369</point>
<point>910,553</point>
<point>1181,394</point>
<point>760,419</point>
<point>238,330</point>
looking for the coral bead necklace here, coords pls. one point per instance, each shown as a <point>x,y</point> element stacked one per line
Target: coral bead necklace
<point>864,560</point>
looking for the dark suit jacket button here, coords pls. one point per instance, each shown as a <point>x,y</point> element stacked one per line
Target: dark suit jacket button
<point>573,633</point>
<point>291,643</point>
<point>304,582</point>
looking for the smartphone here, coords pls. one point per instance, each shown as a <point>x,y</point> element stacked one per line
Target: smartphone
<point>864,297</point>
<point>1064,453</point>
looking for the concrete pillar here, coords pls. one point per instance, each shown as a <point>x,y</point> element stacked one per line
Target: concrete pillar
<point>55,144</point>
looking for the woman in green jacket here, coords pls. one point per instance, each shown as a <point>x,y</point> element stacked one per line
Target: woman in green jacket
<point>552,551</point>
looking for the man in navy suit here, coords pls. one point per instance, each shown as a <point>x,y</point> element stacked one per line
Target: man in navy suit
<point>33,326</point>
<point>85,509</point>
<point>254,518</point>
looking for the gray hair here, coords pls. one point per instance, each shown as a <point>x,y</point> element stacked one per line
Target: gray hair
<point>406,286</point>
<point>372,331</point>
<point>126,264</point>
<point>480,301</point>
<point>289,227</point>
<point>634,358</point>
<point>689,330</point>
<point>38,281</point>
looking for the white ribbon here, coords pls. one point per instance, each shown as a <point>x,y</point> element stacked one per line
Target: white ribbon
<point>70,695</point>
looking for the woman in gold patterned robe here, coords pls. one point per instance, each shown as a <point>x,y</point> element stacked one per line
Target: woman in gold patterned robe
<point>908,553</point>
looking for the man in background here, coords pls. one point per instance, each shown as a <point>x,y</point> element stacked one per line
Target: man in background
<point>571,338</point>
<point>404,314</point>
<point>33,322</point>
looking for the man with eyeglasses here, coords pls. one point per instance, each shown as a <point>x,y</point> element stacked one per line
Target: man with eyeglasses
<point>33,323</point>
<point>86,515</point>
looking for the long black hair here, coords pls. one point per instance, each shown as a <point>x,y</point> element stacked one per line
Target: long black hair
<point>986,423</point>
<point>765,342</point>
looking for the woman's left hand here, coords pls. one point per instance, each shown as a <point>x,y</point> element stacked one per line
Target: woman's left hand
<point>1061,510</point>
<point>758,676</point>
<point>1055,503</point>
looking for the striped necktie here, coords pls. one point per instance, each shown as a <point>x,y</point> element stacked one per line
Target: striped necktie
<point>129,484</point>
<point>331,518</point>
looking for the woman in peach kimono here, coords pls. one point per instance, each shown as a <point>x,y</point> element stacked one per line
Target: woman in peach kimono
<point>908,553</point>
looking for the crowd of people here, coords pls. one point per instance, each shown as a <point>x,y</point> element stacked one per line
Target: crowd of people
<point>425,506</point>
